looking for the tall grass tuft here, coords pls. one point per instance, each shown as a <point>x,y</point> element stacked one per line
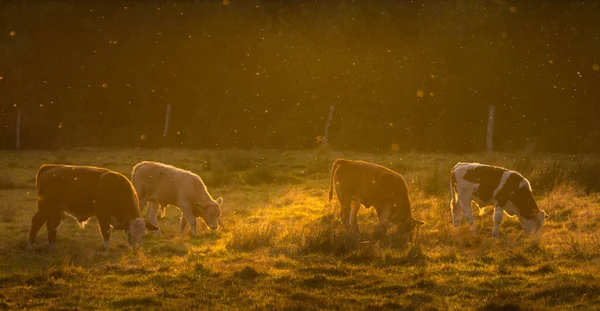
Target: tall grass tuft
<point>237,160</point>
<point>550,174</point>
<point>366,252</point>
<point>581,246</point>
<point>401,166</point>
<point>61,158</point>
<point>324,236</point>
<point>435,182</point>
<point>262,175</point>
<point>524,166</point>
<point>7,181</point>
<point>7,212</point>
<point>248,237</point>
<point>320,163</point>
<point>588,176</point>
<point>219,173</point>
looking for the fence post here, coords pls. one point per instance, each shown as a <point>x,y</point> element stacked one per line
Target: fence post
<point>490,128</point>
<point>18,131</point>
<point>167,116</point>
<point>324,143</point>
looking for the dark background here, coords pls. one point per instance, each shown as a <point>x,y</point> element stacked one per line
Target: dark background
<point>262,74</point>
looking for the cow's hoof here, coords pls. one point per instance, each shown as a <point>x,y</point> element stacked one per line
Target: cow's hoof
<point>52,246</point>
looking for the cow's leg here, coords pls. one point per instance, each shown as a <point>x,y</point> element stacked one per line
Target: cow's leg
<point>151,212</point>
<point>455,207</point>
<point>464,198</point>
<point>104,230</point>
<point>37,221</point>
<point>143,202</point>
<point>345,207</point>
<point>163,211</point>
<point>188,214</point>
<point>182,223</point>
<point>384,220</point>
<point>54,220</point>
<point>153,208</point>
<point>354,207</point>
<point>498,213</point>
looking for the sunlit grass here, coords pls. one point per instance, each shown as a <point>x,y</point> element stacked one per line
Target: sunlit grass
<point>282,246</point>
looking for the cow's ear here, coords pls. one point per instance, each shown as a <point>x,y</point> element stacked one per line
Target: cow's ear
<point>122,226</point>
<point>150,226</point>
<point>219,200</point>
<point>418,223</point>
<point>546,217</point>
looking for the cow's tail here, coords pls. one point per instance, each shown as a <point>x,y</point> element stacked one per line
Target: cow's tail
<point>39,173</point>
<point>453,190</point>
<point>41,170</point>
<point>334,167</point>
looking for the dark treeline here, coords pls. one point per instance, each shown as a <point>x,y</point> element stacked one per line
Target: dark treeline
<point>419,74</point>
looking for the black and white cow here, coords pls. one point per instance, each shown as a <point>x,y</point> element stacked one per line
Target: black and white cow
<point>508,191</point>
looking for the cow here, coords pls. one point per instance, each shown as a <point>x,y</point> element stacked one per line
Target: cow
<point>159,184</point>
<point>508,191</point>
<point>363,183</point>
<point>83,192</point>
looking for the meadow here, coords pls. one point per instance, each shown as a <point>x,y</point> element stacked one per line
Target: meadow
<point>281,245</point>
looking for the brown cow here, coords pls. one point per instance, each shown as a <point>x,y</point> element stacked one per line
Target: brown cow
<point>369,184</point>
<point>83,192</point>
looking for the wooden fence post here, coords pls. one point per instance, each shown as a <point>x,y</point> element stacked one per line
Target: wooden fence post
<point>18,131</point>
<point>490,128</point>
<point>324,143</point>
<point>167,116</point>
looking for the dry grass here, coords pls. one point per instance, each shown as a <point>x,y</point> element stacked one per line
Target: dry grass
<point>7,212</point>
<point>282,246</point>
<point>247,237</point>
<point>7,181</point>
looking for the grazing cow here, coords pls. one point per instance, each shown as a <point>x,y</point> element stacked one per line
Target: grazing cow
<point>83,192</point>
<point>362,183</point>
<point>160,184</point>
<point>508,191</point>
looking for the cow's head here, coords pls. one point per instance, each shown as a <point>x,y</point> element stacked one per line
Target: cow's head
<point>536,223</point>
<point>409,225</point>
<point>210,212</point>
<point>135,230</point>
<point>415,224</point>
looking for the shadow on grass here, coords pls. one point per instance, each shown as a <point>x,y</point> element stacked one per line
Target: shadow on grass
<point>565,294</point>
<point>135,303</point>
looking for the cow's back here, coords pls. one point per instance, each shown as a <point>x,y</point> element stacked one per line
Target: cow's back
<point>163,182</point>
<point>357,179</point>
<point>69,186</point>
<point>363,180</point>
<point>116,196</point>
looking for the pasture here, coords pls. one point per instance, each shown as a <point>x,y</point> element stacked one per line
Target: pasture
<point>281,245</point>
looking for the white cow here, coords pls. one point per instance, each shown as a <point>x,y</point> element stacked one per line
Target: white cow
<point>160,184</point>
<point>508,191</point>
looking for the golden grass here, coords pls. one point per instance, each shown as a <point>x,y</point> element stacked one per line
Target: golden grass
<point>282,247</point>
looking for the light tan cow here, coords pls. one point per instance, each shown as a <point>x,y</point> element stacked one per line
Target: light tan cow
<point>159,184</point>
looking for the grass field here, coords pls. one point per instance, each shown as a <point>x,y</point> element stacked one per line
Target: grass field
<point>282,247</point>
